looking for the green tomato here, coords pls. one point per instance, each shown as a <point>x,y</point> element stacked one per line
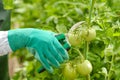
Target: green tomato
<point>69,72</point>
<point>91,34</point>
<point>104,71</point>
<point>84,68</point>
<point>74,39</point>
<point>109,50</point>
<point>84,33</point>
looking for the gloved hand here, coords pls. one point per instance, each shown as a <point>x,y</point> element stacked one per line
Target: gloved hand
<point>48,49</point>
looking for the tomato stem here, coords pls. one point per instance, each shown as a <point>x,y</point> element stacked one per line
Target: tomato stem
<point>88,77</point>
<point>80,54</point>
<point>111,66</point>
<point>86,49</point>
<point>90,12</point>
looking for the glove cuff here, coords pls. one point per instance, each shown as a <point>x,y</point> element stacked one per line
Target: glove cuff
<point>17,38</point>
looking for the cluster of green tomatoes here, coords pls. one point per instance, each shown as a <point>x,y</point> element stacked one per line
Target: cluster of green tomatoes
<point>75,36</point>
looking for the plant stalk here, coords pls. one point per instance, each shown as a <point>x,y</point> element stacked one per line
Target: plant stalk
<point>80,54</point>
<point>88,77</point>
<point>111,66</point>
<point>90,12</point>
<point>86,49</point>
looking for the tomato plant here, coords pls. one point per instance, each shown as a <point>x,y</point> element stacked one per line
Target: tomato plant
<point>93,28</point>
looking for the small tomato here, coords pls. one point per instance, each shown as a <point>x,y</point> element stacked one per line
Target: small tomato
<point>69,72</point>
<point>84,68</point>
<point>91,34</point>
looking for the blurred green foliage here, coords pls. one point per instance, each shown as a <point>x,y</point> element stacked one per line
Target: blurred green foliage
<point>59,16</point>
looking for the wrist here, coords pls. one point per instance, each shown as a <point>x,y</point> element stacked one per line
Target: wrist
<point>17,39</point>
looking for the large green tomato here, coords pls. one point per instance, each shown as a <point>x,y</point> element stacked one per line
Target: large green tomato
<point>84,68</point>
<point>76,38</point>
<point>69,72</point>
<point>74,34</point>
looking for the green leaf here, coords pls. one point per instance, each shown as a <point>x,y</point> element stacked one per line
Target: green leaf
<point>109,32</point>
<point>61,28</point>
<point>116,34</point>
<point>8,4</point>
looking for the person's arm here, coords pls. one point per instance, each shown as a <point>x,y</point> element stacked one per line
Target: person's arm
<point>4,44</point>
<point>48,49</point>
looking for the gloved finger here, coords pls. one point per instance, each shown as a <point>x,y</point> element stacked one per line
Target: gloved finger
<point>61,49</point>
<point>31,50</point>
<point>44,61</point>
<point>51,32</point>
<point>51,59</point>
<point>55,53</point>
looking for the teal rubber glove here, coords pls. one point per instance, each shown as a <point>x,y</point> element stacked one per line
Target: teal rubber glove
<point>48,49</point>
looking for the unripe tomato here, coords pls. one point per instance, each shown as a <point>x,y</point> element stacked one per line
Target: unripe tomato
<point>74,34</point>
<point>84,33</point>
<point>74,39</point>
<point>109,50</point>
<point>84,68</point>
<point>104,71</point>
<point>69,72</point>
<point>91,34</point>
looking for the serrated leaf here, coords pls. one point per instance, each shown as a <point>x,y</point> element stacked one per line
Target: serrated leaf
<point>109,32</point>
<point>61,29</point>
